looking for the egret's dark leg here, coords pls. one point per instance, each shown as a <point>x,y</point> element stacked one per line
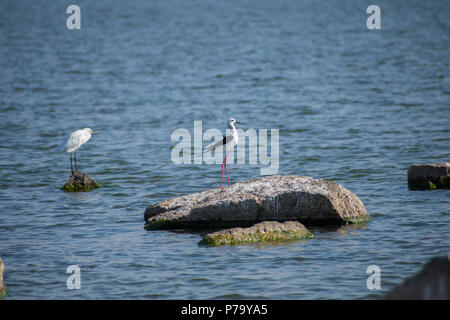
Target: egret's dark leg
<point>76,164</point>
<point>71,167</point>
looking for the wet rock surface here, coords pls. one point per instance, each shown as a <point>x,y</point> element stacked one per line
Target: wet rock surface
<point>431,283</point>
<point>429,176</point>
<point>273,198</point>
<point>2,285</point>
<point>260,232</point>
<point>79,182</point>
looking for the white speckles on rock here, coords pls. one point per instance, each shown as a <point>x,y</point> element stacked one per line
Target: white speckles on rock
<point>279,198</point>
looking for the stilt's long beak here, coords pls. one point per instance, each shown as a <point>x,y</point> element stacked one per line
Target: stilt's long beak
<point>241,125</point>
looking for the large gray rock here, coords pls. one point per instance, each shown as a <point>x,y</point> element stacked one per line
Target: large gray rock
<point>276,198</point>
<point>267,231</point>
<point>431,283</point>
<point>429,176</point>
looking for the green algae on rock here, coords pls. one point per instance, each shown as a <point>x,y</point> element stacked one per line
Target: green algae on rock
<point>80,182</point>
<point>267,231</point>
<point>274,198</point>
<point>158,224</point>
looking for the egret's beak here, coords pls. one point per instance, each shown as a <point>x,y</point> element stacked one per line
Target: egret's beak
<point>95,132</point>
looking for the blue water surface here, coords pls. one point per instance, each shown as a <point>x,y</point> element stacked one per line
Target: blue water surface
<point>352,105</point>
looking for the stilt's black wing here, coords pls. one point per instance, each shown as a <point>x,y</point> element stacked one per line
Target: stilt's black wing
<point>222,142</point>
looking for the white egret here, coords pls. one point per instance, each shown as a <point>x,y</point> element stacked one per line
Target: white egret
<point>76,140</point>
<point>229,142</point>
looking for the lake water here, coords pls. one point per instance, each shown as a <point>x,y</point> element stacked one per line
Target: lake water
<point>353,105</point>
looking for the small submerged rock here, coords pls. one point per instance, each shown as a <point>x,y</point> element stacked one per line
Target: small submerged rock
<point>429,176</point>
<point>273,198</point>
<point>260,232</point>
<point>79,181</point>
<point>431,283</point>
<point>2,285</point>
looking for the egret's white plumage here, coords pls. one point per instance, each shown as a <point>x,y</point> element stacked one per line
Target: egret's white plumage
<point>76,140</point>
<point>229,142</point>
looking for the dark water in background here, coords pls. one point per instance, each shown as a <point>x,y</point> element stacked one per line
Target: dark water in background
<point>352,105</point>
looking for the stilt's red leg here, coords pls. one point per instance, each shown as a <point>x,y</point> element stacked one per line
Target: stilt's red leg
<point>221,177</point>
<point>229,184</point>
